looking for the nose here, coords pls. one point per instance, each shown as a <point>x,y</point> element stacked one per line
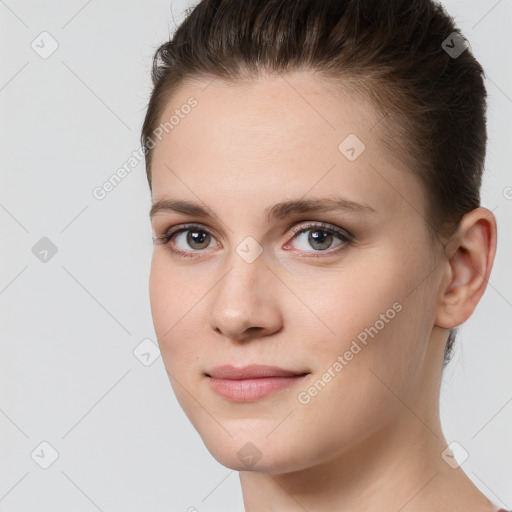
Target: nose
<point>245,303</point>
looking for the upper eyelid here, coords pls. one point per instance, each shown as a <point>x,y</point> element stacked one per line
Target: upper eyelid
<point>346,237</point>
<point>297,228</point>
<point>318,224</point>
<point>171,232</point>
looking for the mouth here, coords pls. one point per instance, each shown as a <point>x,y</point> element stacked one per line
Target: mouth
<point>253,382</point>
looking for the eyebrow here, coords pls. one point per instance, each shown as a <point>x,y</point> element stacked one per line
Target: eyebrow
<point>276,212</point>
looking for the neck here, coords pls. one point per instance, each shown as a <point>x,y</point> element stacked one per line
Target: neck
<point>397,468</point>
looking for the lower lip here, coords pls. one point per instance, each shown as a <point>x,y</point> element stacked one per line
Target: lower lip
<point>247,390</point>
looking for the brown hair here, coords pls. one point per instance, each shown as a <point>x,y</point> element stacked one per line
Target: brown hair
<point>394,52</point>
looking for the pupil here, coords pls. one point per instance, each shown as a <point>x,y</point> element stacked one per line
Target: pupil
<point>323,240</point>
<point>198,237</point>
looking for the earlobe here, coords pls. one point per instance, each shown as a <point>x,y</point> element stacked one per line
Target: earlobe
<point>468,256</point>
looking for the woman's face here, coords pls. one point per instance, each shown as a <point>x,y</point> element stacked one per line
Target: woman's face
<point>350,303</point>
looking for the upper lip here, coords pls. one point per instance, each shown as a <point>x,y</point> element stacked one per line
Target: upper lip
<point>251,372</point>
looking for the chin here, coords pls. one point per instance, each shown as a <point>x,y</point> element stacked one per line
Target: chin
<point>256,453</point>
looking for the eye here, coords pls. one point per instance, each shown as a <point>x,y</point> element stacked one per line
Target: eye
<point>196,239</point>
<point>189,236</point>
<point>192,238</point>
<point>320,237</point>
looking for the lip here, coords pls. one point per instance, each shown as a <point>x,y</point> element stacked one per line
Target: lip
<point>252,371</point>
<point>251,383</point>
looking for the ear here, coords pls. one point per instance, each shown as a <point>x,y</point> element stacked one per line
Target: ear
<point>468,259</point>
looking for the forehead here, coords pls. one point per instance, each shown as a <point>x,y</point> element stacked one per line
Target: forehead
<point>280,112</point>
<point>273,137</point>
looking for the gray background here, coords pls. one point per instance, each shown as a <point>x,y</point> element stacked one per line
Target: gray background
<point>69,326</point>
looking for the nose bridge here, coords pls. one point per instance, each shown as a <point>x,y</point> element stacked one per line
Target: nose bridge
<point>247,267</point>
<point>244,255</point>
<point>243,298</point>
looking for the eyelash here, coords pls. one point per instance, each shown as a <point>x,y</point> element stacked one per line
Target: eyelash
<point>344,236</point>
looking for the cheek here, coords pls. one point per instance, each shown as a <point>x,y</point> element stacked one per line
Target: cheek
<point>172,311</point>
<point>368,314</point>
<point>353,299</point>
<point>160,296</point>
<point>375,353</point>
<point>171,303</point>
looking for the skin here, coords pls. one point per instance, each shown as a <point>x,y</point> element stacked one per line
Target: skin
<point>371,439</point>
